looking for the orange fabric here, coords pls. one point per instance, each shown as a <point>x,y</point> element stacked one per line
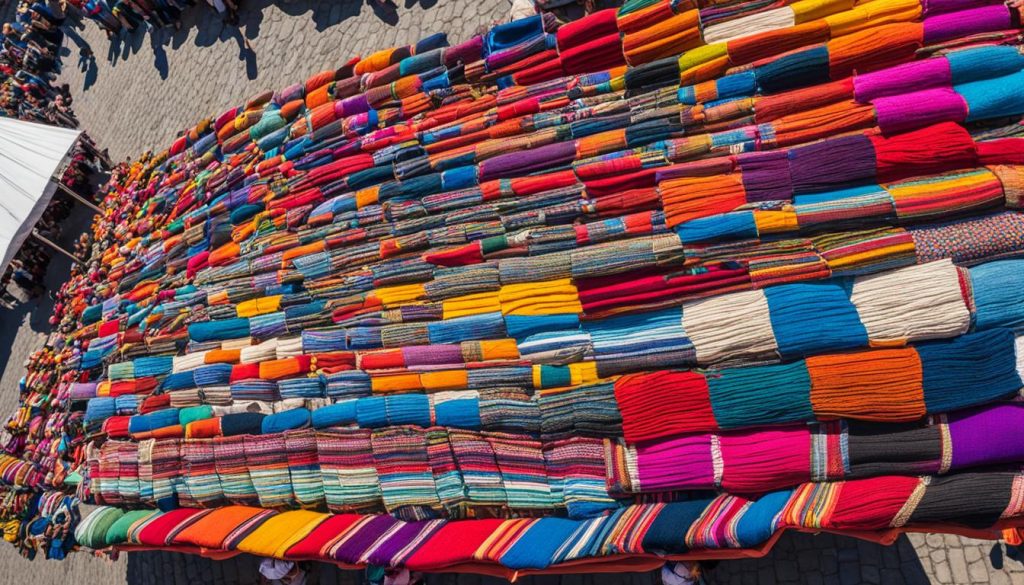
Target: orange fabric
<point>203,429</point>
<point>445,380</point>
<point>749,49</point>
<point>669,36</point>
<point>211,530</point>
<point>874,48</point>
<point>222,356</point>
<point>689,198</point>
<point>880,385</point>
<point>819,123</point>
<point>395,383</point>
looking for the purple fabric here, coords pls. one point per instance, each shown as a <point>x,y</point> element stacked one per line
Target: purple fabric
<point>467,52</point>
<point>432,355</point>
<point>766,176</point>
<point>987,436</point>
<point>933,7</point>
<point>516,164</point>
<point>902,79</point>
<point>83,390</point>
<point>900,113</point>
<point>831,164</point>
<point>387,553</point>
<point>681,463</point>
<point>351,106</point>
<point>944,27</point>
<point>356,544</point>
<point>292,92</point>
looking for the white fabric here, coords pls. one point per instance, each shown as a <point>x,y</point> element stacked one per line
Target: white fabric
<point>730,326</point>
<point>912,304</point>
<point>1018,344</point>
<point>746,26</point>
<point>30,154</point>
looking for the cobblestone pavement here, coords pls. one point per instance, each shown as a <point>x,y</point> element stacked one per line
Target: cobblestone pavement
<point>145,87</point>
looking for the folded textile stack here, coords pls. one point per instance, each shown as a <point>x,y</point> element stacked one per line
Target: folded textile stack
<point>659,283</point>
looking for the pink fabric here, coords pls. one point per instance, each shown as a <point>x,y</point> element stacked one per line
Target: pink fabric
<point>901,79</point>
<point>676,464</point>
<point>901,113</point>
<point>944,27</point>
<point>757,461</point>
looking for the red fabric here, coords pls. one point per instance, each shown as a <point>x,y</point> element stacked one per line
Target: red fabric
<point>154,403</point>
<point>597,55</point>
<point>616,184</point>
<point>546,71</point>
<point>461,256</point>
<point>335,359</point>
<point>606,292</point>
<point>518,109</point>
<point>1005,151</point>
<point>109,328</point>
<point>137,386</point>
<point>773,107</point>
<point>116,427</point>
<point>663,403</point>
<point>588,28</point>
<point>244,372</point>
<point>384,360</point>
<point>867,504</point>
<point>325,532</point>
<point>935,149</point>
<point>161,530</point>
<point>454,543</point>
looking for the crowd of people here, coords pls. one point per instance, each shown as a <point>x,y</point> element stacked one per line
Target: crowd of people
<point>113,16</point>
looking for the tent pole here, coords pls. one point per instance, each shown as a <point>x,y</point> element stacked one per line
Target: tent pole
<point>63,188</point>
<point>38,236</point>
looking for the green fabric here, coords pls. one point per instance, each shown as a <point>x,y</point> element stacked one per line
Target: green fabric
<point>194,413</point>
<point>92,532</point>
<point>118,531</point>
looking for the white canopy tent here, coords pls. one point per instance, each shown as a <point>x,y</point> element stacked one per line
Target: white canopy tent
<point>30,156</point>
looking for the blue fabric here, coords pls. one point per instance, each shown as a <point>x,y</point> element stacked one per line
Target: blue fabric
<point>408,409</point>
<point>836,195</point>
<point>971,369</point>
<point>372,412</point>
<point>760,395</point>
<point>984,63</point>
<point>212,375</point>
<point>758,521</point>
<point>219,330</point>
<point>460,178</point>
<point>800,69</point>
<point>667,532</point>
<point>523,326</point>
<point>469,328</point>
<point>434,41</point>
<point>242,423</point>
<point>152,366</point>
<point>337,414</point>
<point>512,33</point>
<point>741,84</point>
<point>179,381</point>
<point>100,408</point>
<point>536,547</point>
<point>463,413</point>
<point>737,225</point>
<point>144,423</point>
<point>295,418</point>
<point>998,292</point>
<point>993,98</point>
<point>814,317</point>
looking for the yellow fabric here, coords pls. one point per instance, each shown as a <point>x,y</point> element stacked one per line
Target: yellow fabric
<point>937,186</point>
<point>536,377</point>
<point>397,295</point>
<point>775,222</point>
<point>259,306</point>
<point>275,536</point>
<point>583,373</point>
<point>701,55</point>
<point>808,10</point>
<point>103,388</point>
<point>871,256</point>
<point>473,304</point>
<point>552,297</point>
<point>872,14</point>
